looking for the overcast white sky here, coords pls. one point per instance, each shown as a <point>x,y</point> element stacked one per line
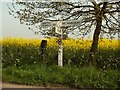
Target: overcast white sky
<point>11,26</point>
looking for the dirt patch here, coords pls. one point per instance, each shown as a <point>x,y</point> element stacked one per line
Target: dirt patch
<point>12,85</point>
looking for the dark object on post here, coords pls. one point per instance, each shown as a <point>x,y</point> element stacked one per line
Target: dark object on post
<point>43,48</point>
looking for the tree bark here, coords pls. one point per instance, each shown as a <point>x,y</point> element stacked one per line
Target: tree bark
<point>94,46</point>
<point>99,14</point>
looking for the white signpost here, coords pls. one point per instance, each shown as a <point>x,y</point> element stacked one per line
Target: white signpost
<point>58,25</point>
<point>60,49</point>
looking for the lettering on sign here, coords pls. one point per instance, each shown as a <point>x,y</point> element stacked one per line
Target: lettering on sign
<point>60,23</point>
<point>71,23</point>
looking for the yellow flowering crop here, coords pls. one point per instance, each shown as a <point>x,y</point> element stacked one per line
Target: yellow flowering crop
<point>69,43</point>
<point>21,51</point>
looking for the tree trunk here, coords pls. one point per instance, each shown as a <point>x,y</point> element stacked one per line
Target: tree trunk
<point>99,14</point>
<point>94,46</point>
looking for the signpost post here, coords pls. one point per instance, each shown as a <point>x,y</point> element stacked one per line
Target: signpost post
<point>58,25</point>
<point>60,47</point>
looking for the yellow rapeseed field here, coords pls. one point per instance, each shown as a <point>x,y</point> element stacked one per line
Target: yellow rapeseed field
<point>25,51</point>
<point>69,43</point>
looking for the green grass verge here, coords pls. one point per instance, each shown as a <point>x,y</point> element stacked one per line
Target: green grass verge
<point>86,77</point>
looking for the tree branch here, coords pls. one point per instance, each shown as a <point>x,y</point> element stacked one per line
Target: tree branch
<point>114,18</point>
<point>84,6</point>
<point>112,11</point>
<point>115,2</point>
<point>109,20</point>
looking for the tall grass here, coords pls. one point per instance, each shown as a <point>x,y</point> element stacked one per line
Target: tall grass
<point>85,77</point>
<point>19,51</point>
<point>22,63</point>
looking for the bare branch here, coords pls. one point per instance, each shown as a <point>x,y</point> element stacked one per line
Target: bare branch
<point>114,2</point>
<point>114,17</point>
<point>112,11</point>
<point>84,6</point>
<point>110,20</point>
